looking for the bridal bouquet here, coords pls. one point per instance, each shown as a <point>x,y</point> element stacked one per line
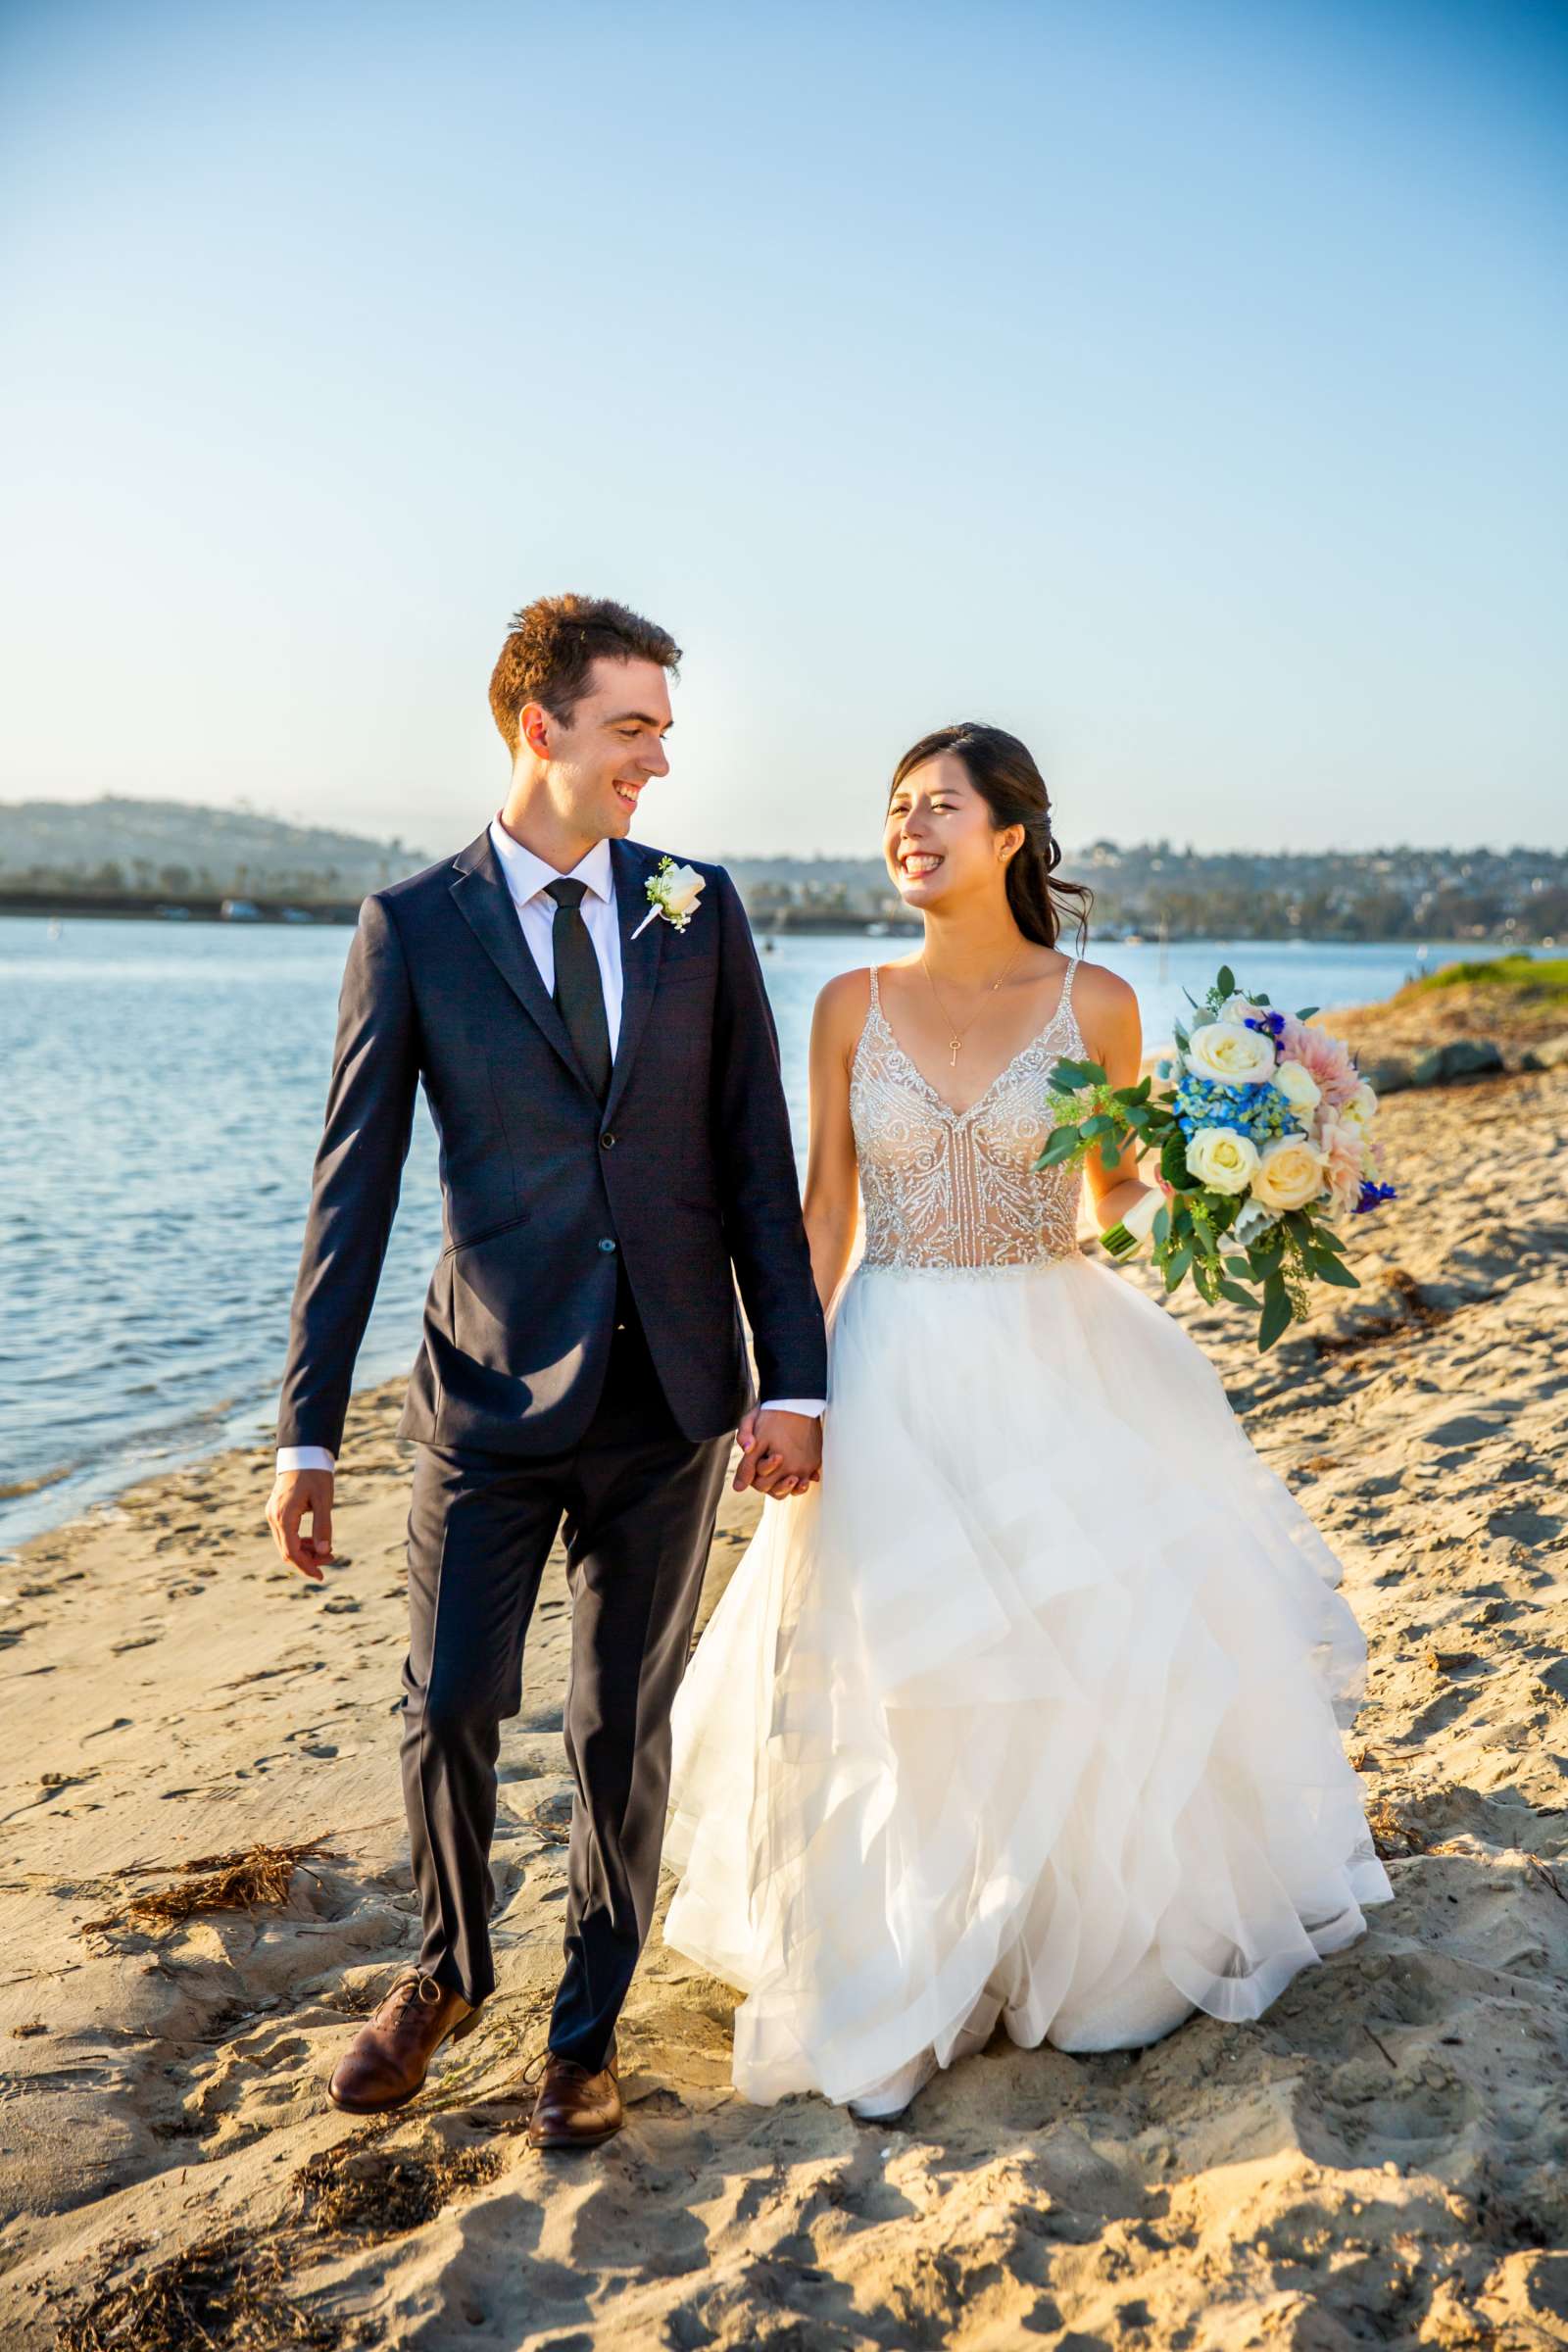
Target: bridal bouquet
<point>1263,1131</point>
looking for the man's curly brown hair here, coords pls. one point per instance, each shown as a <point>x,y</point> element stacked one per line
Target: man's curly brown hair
<point>552,648</point>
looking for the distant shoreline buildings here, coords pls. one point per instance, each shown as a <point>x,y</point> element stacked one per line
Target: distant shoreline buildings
<point>170,860</point>
<point>1152,888</point>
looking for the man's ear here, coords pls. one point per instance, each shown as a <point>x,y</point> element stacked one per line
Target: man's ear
<point>534,725</point>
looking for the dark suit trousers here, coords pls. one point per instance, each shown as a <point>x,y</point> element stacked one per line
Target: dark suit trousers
<point>638,1500</point>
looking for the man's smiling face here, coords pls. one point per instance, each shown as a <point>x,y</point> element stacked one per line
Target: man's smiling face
<point>599,758</point>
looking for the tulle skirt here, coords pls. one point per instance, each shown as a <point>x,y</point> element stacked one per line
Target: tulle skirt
<point>1031,1710</point>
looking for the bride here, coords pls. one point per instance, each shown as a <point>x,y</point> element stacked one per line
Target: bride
<point>1030,1710</point>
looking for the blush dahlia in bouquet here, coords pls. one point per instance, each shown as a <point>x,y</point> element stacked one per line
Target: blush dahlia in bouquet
<point>1264,1129</point>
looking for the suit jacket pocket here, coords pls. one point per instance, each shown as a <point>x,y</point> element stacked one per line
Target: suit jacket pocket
<point>486,1233</point>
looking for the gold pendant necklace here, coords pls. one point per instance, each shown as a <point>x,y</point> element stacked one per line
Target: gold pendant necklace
<point>958,1036</point>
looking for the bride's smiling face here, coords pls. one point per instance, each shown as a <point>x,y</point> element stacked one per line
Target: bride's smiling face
<point>940,838</point>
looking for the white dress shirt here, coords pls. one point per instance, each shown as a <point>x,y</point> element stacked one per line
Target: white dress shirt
<point>529,879</point>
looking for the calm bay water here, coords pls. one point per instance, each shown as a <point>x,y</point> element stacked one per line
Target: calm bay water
<point>163,1095</point>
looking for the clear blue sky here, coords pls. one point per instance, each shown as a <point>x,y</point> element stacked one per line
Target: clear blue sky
<point>1181,386</point>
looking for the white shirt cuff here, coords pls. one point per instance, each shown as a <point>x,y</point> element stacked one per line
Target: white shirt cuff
<point>815,1407</point>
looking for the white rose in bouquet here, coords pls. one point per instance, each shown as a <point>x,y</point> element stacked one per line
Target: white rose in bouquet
<point>1222,1159</point>
<point>1231,1055</point>
<point>1299,1088</point>
<point>1290,1173</point>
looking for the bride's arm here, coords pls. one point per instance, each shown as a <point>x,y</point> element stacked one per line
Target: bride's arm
<point>832,1195</point>
<point>1108,1015</point>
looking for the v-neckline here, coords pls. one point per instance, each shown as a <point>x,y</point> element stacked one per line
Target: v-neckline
<point>958,1118</point>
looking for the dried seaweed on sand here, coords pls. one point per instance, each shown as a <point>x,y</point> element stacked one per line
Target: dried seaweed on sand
<point>356,2185</point>
<point>224,2291</point>
<point>231,1882</point>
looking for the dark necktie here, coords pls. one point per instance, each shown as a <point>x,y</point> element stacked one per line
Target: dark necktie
<point>580,991</point>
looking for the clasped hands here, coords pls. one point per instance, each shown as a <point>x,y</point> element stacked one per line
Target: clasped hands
<point>781,1453</point>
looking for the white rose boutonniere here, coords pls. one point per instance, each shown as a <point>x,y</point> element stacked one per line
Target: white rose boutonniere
<point>672,892</point>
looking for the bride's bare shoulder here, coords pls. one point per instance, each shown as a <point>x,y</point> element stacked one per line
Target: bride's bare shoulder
<point>1098,984</point>
<point>842,1005</point>
<point>1106,1006</point>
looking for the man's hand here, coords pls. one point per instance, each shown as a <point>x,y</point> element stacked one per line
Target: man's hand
<point>298,1496</point>
<point>782,1452</point>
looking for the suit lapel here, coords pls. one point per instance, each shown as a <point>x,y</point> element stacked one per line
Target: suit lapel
<point>482,898</point>
<point>639,958</point>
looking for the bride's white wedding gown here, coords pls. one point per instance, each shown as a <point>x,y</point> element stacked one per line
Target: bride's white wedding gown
<point>1033,1707</point>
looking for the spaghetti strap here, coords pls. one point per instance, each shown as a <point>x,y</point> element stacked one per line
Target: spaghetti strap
<point>1065,1002</point>
<point>876,1002</point>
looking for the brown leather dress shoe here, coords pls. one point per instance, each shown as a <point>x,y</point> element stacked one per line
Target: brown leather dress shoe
<point>385,2063</point>
<point>575,2109</point>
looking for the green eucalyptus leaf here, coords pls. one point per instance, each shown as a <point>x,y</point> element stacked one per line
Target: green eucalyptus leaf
<point>1225,981</point>
<point>1061,1147</point>
<point>1339,1277</point>
<point>1276,1315</point>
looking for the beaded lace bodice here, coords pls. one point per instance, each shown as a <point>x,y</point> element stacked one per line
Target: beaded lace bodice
<point>946,1189</point>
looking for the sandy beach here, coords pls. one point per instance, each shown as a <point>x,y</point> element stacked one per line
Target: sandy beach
<point>1382,2159</point>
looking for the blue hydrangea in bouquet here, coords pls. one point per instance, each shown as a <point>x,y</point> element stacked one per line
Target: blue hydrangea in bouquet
<point>1264,1133</point>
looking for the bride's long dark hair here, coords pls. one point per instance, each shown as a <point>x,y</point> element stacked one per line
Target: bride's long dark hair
<point>1003,773</point>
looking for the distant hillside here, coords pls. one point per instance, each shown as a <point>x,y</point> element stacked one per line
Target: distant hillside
<point>170,849</point>
<point>121,857</point>
<point>1141,889</point>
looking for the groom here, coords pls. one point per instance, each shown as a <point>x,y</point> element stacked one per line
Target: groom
<point>616,1156</point>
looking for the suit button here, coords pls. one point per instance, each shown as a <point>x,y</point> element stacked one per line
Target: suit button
<point>607,1245</point>
<point>608,1141</point>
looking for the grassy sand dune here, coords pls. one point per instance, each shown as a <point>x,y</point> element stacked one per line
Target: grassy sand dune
<point>1517,1001</point>
<point>1383,2158</point>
